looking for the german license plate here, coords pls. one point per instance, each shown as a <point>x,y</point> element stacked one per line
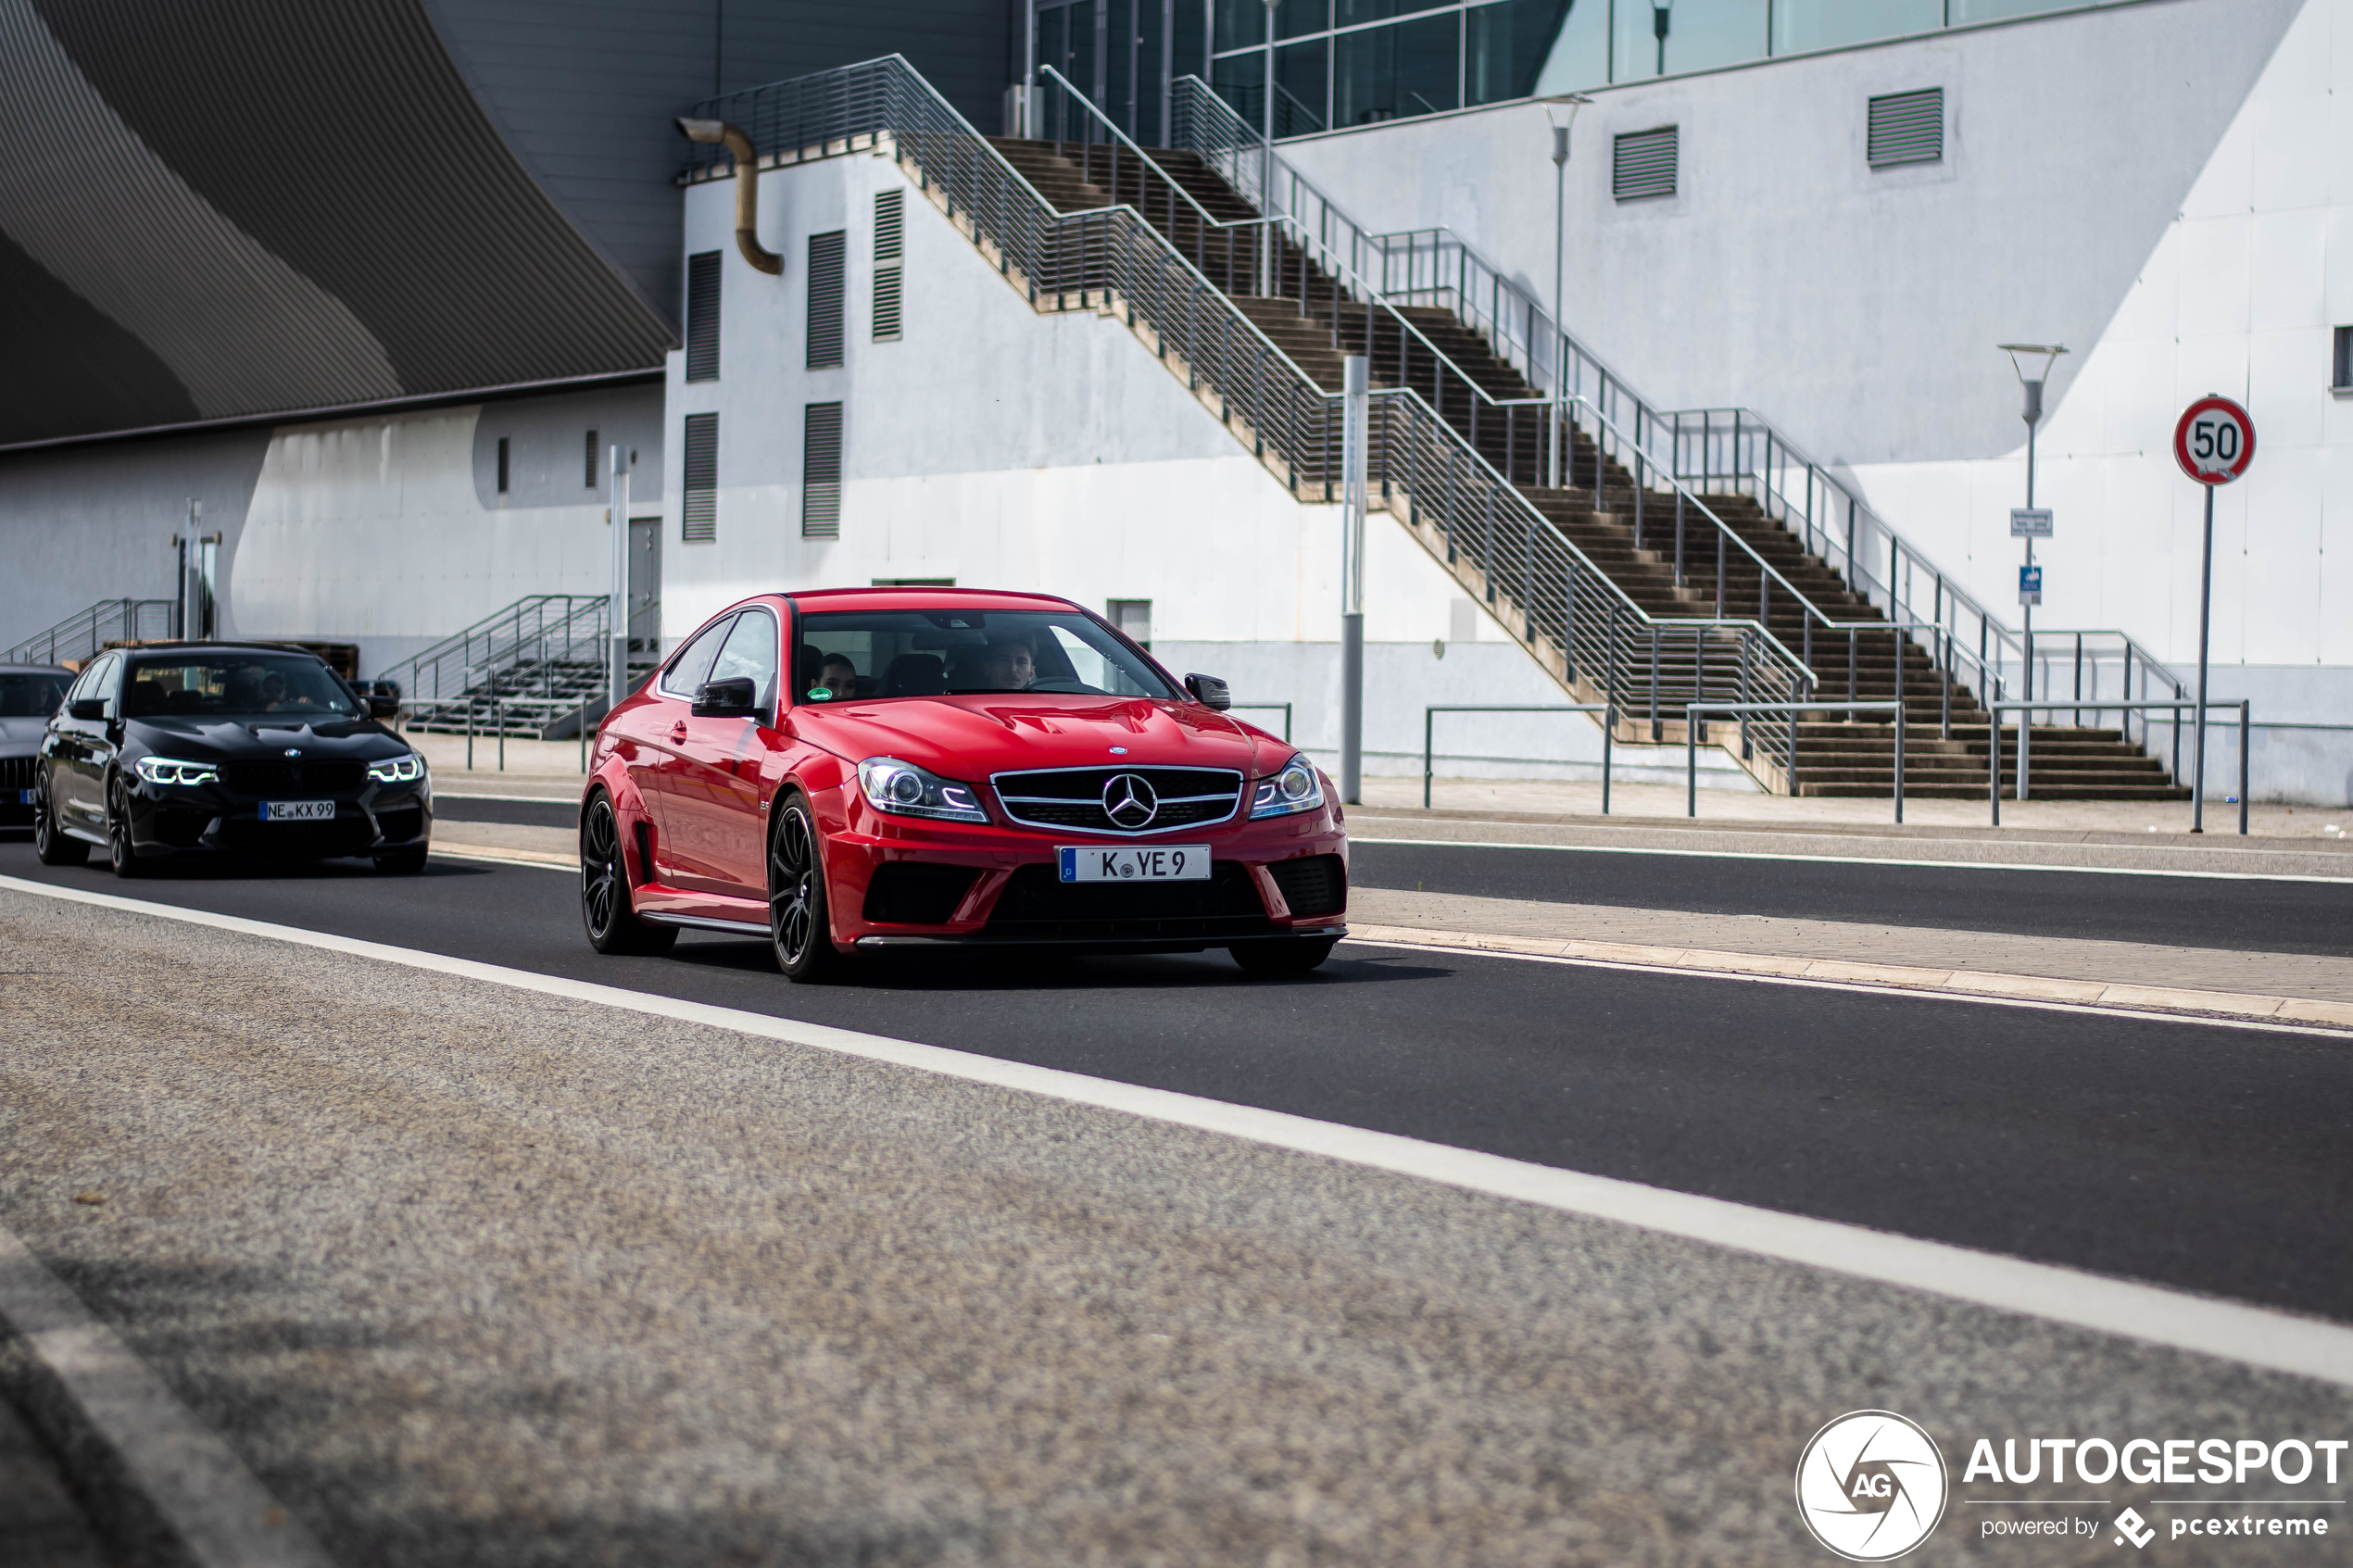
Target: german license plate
<point>24,797</point>
<point>297,810</point>
<point>1171,863</point>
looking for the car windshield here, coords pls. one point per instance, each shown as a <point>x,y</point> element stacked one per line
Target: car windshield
<point>31,694</point>
<point>239,684</point>
<point>951,652</point>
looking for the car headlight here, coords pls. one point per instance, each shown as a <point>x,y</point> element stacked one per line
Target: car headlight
<point>398,769</point>
<point>906,790</point>
<point>172,771</point>
<point>1296,788</point>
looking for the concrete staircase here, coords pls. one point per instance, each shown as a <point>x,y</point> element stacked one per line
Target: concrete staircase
<point>1302,311</point>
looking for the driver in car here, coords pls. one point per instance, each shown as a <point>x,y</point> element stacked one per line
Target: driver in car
<point>836,677</point>
<point>1009,665</point>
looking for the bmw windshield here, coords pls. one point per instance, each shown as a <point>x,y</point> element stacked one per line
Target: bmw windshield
<point>237,685</point>
<point>960,652</point>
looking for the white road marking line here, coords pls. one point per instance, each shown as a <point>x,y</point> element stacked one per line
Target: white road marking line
<point>85,1379</point>
<point>2229,1330</point>
<point>1926,993</point>
<point>1871,859</point>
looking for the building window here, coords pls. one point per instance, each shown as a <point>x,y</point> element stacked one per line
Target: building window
<point>825,299</point>
<point>821,471</point>
<point>890,249</point>
<point>700,525</point>
<point>2341,378</point>
<point>502,465</point>
<point>1906,127</point>
<point>591,465</point>
<point>702,317</point>
<point>1134,619</point>
<point>1642,164</point>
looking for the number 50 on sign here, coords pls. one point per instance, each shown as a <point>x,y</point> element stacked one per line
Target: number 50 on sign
<point>2214,441</point>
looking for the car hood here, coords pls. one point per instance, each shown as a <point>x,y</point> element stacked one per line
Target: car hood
<point>971,737</point>
<point>222,740</point>
<point>22,735</point>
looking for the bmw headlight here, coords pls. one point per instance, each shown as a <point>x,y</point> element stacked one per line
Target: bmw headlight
<point>172,771</point>
<point>398,769</point>
<point>1296,788</point>
<point>906,790</point>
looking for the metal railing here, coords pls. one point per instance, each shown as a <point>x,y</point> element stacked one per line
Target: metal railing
<point>1994,759</point>
<point>1735,446</point>
<point>83,634</point>
<point>1570,613</point>
<point>1693,733</point>
<point>537,663</point>
<point>1429,733</point>
<point>1265,707</point>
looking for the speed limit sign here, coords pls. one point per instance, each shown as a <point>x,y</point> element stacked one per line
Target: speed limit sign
<point>2215,441</point>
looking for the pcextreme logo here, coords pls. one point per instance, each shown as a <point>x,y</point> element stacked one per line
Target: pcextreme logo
<point>1871,1486</point>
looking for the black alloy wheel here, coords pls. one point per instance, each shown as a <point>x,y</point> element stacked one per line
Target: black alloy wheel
<point>799,927</point>
<point>51,844</point>
<point>120,852</point>
<point>1294,955</point>
<point>613,927</point>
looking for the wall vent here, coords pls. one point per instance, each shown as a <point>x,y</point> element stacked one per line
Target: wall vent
<point>502,465</point>
<point>1907,127</point>
<point>825,299</point>
<point>702,317</point>
<point>2341,377</point>
<point>701,523</point>
<point>821,471</point>
<point>592,460</point>
<point>890,246</point>
<point>1642,164</point>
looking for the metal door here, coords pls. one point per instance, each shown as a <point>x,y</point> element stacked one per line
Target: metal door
<point>645,587</point>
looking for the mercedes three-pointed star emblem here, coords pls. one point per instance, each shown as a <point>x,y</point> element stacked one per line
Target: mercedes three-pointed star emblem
<point>1129,802</point>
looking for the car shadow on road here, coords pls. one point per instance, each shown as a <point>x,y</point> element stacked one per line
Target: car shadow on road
<point>1006,970</point>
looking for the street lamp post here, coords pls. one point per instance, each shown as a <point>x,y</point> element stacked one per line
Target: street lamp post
<point>2033,362</point>
<point>1658,27</point>
<point>1560,208</point>
<point>1266,166</point>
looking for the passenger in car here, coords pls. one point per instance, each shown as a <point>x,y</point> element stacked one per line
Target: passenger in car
<point>1009,665</point>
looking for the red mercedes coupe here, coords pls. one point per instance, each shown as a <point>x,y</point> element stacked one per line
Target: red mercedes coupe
<point>857,770</point>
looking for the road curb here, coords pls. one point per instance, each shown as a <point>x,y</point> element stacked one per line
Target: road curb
<point>1973,985</point>
<point>164,1488</point>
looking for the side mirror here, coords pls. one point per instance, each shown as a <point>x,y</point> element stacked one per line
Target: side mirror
<point>380,706</point>
<point>1209,691</point>
<point>87,708</point>
<point>726,699</point>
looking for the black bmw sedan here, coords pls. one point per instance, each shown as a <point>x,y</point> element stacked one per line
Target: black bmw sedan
<point>203,749</point>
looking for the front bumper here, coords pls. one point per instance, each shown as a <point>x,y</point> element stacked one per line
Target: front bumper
<point>207,820</point>
<point>895,882</point>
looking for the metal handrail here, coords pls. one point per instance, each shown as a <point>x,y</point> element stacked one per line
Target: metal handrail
<point>1266,708</point>
<point>1694,725</point>
<point>83,634</point>
<point>1993,764</point>
<point>1114,260</point>
<point>532,642</point>
<point>1430,713</point>
<point>1547,356</point>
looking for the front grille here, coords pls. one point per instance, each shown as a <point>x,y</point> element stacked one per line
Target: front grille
<point>1037,905</point>
<point>347,834</point>
<point>16,772</point>
<point>1073,798</point>
<point>916,892</point>
<point>277,781</point>
<point>1313,884</point>
<point>401,823</point>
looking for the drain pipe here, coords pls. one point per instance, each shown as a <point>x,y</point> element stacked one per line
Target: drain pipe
<point>746,188</point>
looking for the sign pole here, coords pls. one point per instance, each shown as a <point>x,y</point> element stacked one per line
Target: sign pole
<point>1355,420</point>
<point>618,686</point>
<point>2205,629</point>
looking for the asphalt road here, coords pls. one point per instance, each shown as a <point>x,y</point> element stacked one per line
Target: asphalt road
<point>2191,1155</point>
<point>2244,915</point>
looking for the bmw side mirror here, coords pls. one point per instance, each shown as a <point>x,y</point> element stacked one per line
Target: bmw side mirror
<point>726,699</point>
<point>1209,691</point>
<point>87,708</point>
<point>382,707</point>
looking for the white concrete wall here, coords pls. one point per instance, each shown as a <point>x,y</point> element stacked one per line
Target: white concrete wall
<point>1003,448</point>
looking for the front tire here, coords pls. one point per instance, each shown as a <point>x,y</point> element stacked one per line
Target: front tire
<point>121,855</point>
<point>1295,955</point>
<point>51,844</point>
<point>799,926</point>
<point>613,927</point>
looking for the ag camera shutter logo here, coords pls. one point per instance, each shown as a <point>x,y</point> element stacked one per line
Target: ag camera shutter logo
<point>1871,1486</point>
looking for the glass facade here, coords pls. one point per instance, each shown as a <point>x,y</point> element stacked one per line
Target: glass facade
<point>1357,62</point>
